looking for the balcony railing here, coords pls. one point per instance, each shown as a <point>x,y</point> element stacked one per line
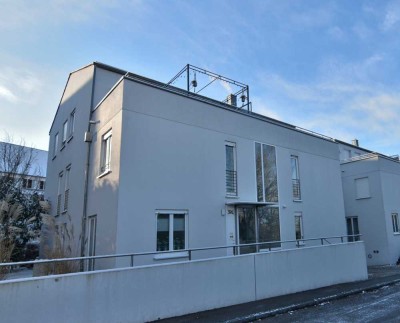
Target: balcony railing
<point>231,182</point>
<point>58,204</point>
<point>66,198</point>
<point>296,189</point>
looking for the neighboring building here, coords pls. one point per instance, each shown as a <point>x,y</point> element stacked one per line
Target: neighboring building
<point>168,169</point>
<point>371,187</point>
<point>32,178</point>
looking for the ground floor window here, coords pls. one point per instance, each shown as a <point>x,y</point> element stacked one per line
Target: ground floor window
<point>258,224</point>
<point>92,240</point>
<point>352,228</point>
<point>171,230</point>
<point>298,225</point>
<point>395,222</point>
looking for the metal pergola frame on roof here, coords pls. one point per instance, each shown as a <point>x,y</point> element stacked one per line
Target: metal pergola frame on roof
<point>243,93</point>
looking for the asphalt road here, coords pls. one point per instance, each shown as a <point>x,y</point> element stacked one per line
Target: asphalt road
<point>382,305</point>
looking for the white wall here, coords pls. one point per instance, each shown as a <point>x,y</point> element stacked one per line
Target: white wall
<point>149,293</point>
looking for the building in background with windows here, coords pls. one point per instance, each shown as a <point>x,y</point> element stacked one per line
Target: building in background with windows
<point>144,166</point>
<point>371,188</point>
<point>31,170</point>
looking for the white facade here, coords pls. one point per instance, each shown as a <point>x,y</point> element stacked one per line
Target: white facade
<point>371,187</point>
<point>162,165</point>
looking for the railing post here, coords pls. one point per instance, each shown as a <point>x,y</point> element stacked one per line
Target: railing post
<point>322,241</point>
<point>298,243</point>
<point>234,250</point>
<point>341,239</point>
<point>131,260</point>
<point>190,255</point>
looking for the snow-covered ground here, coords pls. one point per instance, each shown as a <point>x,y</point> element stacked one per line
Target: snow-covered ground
<point>18,273</point>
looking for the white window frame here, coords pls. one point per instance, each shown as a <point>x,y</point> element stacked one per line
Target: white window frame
<point>106,149</point>
<point>71,127</point>
<point>176,253</point>
<point>300,216</point>
<point>91,248</point>
<point>296,159</point>
<point>357,183</point>
<point>55,144</point>
<point>352,218</point>
<point>233,145</point>
<point>395,223</point>
<point>65,132</point>
<point>66,187</point>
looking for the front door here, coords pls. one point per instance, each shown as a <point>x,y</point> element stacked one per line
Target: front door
<point>247,228</point>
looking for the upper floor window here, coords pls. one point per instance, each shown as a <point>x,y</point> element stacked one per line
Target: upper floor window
<point>395,222</point>
<point>266,173</point>
<point>71,123</point>
<point>27,183</point>
<point>65,132</point>
<point>106,152</point>
<point>66,187</point>
<point>55,144</point>
<point>362,188</point>
<point>58,209</point>
<point>231,174</point>
<point>294,162</point>
<point>41,185</point>
<point>171,230</point>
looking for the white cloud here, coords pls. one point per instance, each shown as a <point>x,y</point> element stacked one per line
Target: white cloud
<point>7,94</point>
<point>392,15</point>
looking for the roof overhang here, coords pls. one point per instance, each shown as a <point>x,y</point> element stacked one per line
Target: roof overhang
<point>248,203</point>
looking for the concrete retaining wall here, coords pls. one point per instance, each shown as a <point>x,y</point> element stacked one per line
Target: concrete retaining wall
<point>151,292</point>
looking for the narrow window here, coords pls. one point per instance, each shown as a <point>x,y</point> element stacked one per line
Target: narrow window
<point>29,183</point>
<point>362,188</point>
<point>59,194</point>
<point>92,240</point>
<point>66,186</point>
<point>71,123</point>
<point>24,183</point>
<point>65,132</point>
<point>294,161</point>
<point>395,222</point>
<point>231,174</point>
<point>106,153</point>
<point>266,173</point>
<point>41,185</point>
<point>298,224</point>
<point>352,229</point>
<point>55,147</point>
<point>171,231</point>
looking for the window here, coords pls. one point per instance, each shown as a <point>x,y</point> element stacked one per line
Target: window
<point>27,183</point>
<point>294,162</point>
<point>231,175</point>
<point>362,188</point>
<point>92,240</point>
<point>346,154</point>
<point>71,123</point>
<point>106,153</point>
<point>395,222</point>
<point>171,231</point>
<point>59,194</point>
<point>66,185</point>
<point>266,173</point>
<point>352,229</point>
<point>298,224</point>
<point>41,185</point>
<point>257,225</point>
<point>55,147</point>
<point>65,132</point>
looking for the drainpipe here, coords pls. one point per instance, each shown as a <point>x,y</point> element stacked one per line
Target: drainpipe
<point>88,139</point>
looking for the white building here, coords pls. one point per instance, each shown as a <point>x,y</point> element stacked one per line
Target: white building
<point>166,169</point>
<point>371,187</point>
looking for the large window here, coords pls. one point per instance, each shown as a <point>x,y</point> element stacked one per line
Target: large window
<point>257,225</point>
<point>231,175</point>
<point>266,173</point>
<point>362,188</point>
<point>294,162</point>
<point>171,230</point>
<point>395,222</point>
<point>55,145</point>
<point>352,229</point>
<point>106,152</point>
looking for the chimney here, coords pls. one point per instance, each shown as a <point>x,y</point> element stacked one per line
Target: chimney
<point>231,99</point>
<point>354,142</point>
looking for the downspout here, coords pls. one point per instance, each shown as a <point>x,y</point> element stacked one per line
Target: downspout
<point>85,194</point>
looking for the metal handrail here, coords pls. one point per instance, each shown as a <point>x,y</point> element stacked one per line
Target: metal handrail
<point>189,251</point>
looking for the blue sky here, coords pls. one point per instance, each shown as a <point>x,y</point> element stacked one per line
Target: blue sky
<point>328,66</point>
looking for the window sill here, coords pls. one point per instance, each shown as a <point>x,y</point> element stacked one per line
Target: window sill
<point>63,146</point>
<point>172,255</point>
<point>54,157</point>
<point>70,138</point>
<point>363,198</point>
<point>104,173</point>
<point>64,212</point>
<point>298,201</point>
<point>396,233</point>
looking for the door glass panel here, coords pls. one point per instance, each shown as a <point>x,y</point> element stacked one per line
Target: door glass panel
<point>247,229</point>
<point>270,174</point>
<point>260,196</point>
<point>268,226</point>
